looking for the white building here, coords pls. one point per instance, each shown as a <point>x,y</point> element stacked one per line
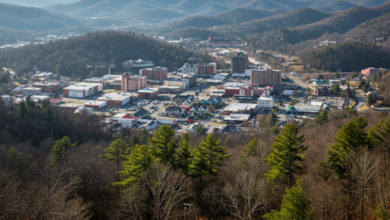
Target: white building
<point>266,101</point>
<point>82,90</point>
<point>240,108</point>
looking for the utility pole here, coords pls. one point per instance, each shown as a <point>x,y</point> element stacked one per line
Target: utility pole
<point>185,209</point>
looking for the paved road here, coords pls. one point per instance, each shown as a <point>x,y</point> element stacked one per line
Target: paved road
<point>299,82</point>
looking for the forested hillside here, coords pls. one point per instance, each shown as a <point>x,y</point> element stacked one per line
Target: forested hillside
<point>56,165</point>
<point>33,19</point>
<point>227,18</point>
<point>337,6</point>
<point>98,48</point>
<point>348,56</point>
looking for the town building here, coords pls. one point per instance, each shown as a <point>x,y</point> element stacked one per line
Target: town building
<point>240,108</point>
<point>371,71</point>
<point>148,93</point>
<point>305,109</point>
<point>240,62</point>
<point>188,103</point>
<point>266,101</point>
<point>174,110</point>
<point>139,64</point>
<point>237,118</point>
<point>117,98</point>
<point>158,73</point>
<point>205,69</point>
<point>48,87</point>
<point>133,83</point>
<point>169,89</point>
<point>266,77</point>
<point>192,60</point>
<point>176,83</point>
<point>31,91</point>
<point>95,104</point>
<point>82,90</point>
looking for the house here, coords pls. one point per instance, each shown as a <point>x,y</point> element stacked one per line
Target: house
<point>229,129</point>
<point>55,101</point>
<point>201,110</point>
<point>188,103</point>
<point>117,127</point>
<point>216,101</point>
<point>6,98</point>
<point>190,119</point>
<point>174,110</point>
<point>151,125</point>
<point>141,113</point>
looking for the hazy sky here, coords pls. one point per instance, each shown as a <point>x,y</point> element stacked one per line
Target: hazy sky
<point>37,3</point>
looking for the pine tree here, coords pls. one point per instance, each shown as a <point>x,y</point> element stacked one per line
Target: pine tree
<point>60,151</point>
<point>31,104</point>
<point>322,117</point>
<point>184,154</point>
<point>134,140</point>
<point>15,158</point>
<point>250,150</point>
<point>379,136</point>
<point>284,154</point>
<point>116,154</point>
<point>22,109</point>
<point>164,143</point>
<point>350,137</point>
<point>200,165</point>
<point>214,153</point>
<point>139,161</point>
<point>295,206</point>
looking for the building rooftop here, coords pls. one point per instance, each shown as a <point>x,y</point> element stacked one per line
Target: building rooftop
<point>83,85</point>
<point>95,103</point>
<point>321,83</point>
<point>147,90</point>
<point>118,96</point>
<point>305,108</point>
<point>239,107</point>
<point>237,117</point>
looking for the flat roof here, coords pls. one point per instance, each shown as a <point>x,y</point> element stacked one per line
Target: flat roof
<point>315,103</point>
<point>95,103</point>
<point>239,106</point>
<point>118,96</point>
<point>147,90</point>
<point>237,117</point>
<point>307,108</point>
<point>83,85</point>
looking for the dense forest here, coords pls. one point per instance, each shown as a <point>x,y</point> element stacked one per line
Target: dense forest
<point>55,165</point>
<point>70,57</point>
<point>348,56</point>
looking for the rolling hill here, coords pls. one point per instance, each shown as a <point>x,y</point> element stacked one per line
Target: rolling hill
<point>226,18</point>
<point>98,48</point>
<point>337,6</point>
<point>33,19</point>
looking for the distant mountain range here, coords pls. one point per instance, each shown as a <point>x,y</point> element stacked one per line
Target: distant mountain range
<point>37,3</point>
<point>169,9</point>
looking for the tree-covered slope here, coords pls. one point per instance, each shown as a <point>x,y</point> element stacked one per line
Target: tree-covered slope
<point>35,19</point>
<point>337,6</point>
<point>348,56</point>
<point>98,48</point>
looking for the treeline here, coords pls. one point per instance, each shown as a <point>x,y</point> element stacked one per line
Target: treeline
<point>348,56</point>
<point>334,168</point>
<point>98,49</point>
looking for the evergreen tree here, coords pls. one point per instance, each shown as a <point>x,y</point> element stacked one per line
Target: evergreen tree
<point>48,113</point>
<point>200,165</point>
<point>250,150</point>
<point>199,130</point>
<point>164,144</point>
<point>184,154</point>
<point>139,161</point>
<point>15,158</point>
<point>350,137</point>
<point>134,140</point>
<point>31,104</point>
<point>295,206</point>
<point>22,109</point>
<point>370,99</point>
<point>322,117</point>
<point>144,135</point>
<point>379,136</point>
<point>116,154</point>
<point>214,153</point>
<point>284,154</point>
<point>60,151</point>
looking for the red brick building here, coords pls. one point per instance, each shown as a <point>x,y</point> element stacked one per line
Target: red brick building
<point>159,73</point>
<point>371,71</point>
<point>200,69</point>
<point>46,87</point>
<point>82,90</point>
<point>148,93</point>
<point>133,83</point>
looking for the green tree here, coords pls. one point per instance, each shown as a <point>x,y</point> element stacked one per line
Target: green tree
<point>370,99</point>
<point>60,151</point>
<point>144,135</point>
<point>59,68</point>
<point>379,136</point>
<point>322,117</point>
<point>214,153</point>
<point>199,130</point>
<point>200,165</point>
<point>48,113</point>
<point>164,144</point>
<point>336,89</point>
<point>139,161</point>
<point>250,150</point>
<point>295,206</point>
<point>285,154</point>
<point>31,104</point>
<point>15,158</point>
<point>116,154</point>
<point>184,154</point>
<point>134,140</point>
<point>22,109</point>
